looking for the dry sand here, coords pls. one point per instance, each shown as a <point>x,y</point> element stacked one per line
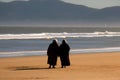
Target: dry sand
<point>100,66</point>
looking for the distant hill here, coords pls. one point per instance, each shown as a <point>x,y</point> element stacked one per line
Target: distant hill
<point>54,10</point>
<point>106,14</point>
<point>42,10</point>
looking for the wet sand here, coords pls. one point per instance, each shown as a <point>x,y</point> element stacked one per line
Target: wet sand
<point>97,66</point>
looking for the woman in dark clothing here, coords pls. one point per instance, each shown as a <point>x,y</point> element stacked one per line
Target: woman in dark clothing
<point>52,53</point>
<point>64,54</point>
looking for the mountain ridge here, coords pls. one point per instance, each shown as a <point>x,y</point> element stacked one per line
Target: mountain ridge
<point>54,10</point>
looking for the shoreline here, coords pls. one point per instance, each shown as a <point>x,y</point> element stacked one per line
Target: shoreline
<point>92,66</point>
<point>25,56</point>
<point>71,54</point>
<point>72,51</point>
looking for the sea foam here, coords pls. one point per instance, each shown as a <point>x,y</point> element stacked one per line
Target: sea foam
<point>57,35</point>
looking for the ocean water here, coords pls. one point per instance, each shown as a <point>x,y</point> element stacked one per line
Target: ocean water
<point>29,41</point>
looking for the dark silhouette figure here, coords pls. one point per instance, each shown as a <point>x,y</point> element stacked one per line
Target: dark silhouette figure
<point>52,53</point>
<point>64,54</point>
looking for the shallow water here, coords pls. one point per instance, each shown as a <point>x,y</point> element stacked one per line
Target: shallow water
<point>26,41</point>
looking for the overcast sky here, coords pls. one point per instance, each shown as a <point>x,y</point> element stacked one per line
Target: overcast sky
<point>90,3</point>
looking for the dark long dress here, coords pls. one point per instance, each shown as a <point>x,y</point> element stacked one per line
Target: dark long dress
<point>52,53</point>
<point>64,54</point>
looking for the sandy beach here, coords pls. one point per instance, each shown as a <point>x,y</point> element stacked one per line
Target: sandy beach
<point>97,66</point>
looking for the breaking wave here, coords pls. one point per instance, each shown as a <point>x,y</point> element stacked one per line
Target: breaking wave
<point>57,35</point>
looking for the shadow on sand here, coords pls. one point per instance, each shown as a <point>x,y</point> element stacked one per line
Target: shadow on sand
<point>27,68</point>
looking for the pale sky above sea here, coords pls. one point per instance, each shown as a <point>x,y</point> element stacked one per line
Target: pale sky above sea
<point>90,3</point>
